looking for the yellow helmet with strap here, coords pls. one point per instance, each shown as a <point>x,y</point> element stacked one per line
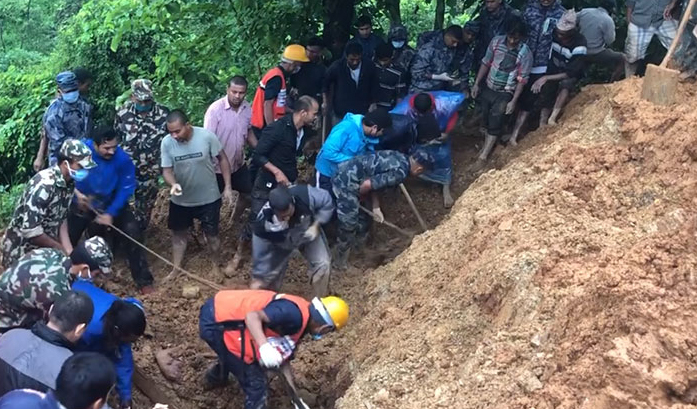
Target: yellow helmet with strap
<point>295,53</point>
<point>338,310</point>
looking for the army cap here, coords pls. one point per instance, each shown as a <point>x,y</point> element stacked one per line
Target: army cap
<point>398,32</point>
<point>66,81</point>
<point>142,89</point>
<point>78,151</point>
<point>94,252</point>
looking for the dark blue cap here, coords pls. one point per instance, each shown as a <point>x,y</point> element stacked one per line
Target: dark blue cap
<point>66,81</point>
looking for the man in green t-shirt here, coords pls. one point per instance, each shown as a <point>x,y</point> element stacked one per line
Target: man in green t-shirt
<point>188,167</point>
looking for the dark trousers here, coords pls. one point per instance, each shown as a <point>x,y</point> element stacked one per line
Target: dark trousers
<point>251,377</point>
<point>79,221</point>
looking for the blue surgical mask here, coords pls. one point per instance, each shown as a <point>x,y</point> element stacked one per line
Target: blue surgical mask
<point>77,175</point>
<point>143,108</point>
<point>398,44</point>
<point>316,337</point>
<point>71,97</point>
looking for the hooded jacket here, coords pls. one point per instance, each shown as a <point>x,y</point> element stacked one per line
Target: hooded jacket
<point>32,359</point>
<point>541,22</point>
<point>345,142</point>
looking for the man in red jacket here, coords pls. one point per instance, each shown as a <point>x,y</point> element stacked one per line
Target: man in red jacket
<point>251,330</point>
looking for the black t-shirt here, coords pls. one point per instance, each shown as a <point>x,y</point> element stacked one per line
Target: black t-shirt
<point>273,86</point>
<point>308,81</point>
<point>427,128</point>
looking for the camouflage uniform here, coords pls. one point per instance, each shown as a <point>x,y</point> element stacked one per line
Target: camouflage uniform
<point>43,206</point>
<point>29,287</point>
<point>402,56</point>
<point>141,136</point>
<point>433,57</point>
<point>64,120</point>
<point>384,169</point>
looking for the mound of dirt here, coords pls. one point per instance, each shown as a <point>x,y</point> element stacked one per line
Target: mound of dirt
<point>563,280</point>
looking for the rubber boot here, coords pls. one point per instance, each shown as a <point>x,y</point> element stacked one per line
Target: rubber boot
<point>214,377</point>
<point>340,255</point>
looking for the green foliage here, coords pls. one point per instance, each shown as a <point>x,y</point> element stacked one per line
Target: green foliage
<point>8,200</point>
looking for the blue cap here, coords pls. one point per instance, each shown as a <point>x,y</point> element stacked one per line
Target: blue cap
<point>66,81</point>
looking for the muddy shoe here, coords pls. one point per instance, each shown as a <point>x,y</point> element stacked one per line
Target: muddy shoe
<point>214,378</point>
<point>339,259</point>
<point>231,267</point>
<point>477,166</point>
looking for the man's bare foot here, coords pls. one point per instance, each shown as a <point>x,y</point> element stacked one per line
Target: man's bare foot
<point>172,275</point>
<point>231,267</point>
<point>477,166</point>
<point>448,200</point>
<point>552,122</point>
<point>512,142</point>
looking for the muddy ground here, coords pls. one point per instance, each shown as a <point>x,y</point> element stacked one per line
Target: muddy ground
<point>173,319</point>
<point>562,278</point>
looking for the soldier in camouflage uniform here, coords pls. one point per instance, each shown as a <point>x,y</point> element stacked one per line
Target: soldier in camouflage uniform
<point>433,64</point>
<point>29,286</point>
<point>40,219</point>
<point>68,117</point>
<point>358,177</point>
<point>403,53</point>
<point>142,125</point>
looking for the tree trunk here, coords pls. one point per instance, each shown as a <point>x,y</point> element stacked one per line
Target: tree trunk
<point>440,15</point>
<point>26,24</point>
<point>338,16</point>
<point>2,32</point>
<point>392,7</point>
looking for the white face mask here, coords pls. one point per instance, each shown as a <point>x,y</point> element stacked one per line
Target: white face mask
<point>398,44</point>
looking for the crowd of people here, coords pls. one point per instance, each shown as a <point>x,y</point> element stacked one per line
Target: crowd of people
<point>383,112</point>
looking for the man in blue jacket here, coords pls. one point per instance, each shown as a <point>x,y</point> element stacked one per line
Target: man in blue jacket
<point>355,135</point>
<point>102,198</point>
<point>115,325</point>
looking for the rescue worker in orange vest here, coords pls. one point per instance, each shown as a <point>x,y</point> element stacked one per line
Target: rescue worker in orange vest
<point>251,330</point>
<point>270,98</point>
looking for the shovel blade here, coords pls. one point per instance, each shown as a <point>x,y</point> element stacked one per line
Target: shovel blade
<point>660,85</point>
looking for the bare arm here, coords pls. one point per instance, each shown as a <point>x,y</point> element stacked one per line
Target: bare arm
<point>41,153</point>
<point>254,321</point>
<point>64,238</point>
<point>168,175</point>
<point>44,240</point>
<point>225,168</point>
<point>268,111</point>
<point>251,138</point>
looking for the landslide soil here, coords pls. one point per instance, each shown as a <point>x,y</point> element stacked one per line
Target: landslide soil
<point>563,277</point>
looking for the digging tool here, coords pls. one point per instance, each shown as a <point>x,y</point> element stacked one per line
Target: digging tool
<point>149,388</point>
<point>413,206</point>
<point>324,128</point>
<point>169,263</point>
<point>661,82</point>
<point>386,223</point>
<point>295,399</point>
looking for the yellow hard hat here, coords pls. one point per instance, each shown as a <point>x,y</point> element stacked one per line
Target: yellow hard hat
<point>295,52</point>
<point>338,310</point>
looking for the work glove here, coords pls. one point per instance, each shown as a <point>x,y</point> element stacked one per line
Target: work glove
<point>442,77</point>
<point>300,404</point>
<point>377,215</point>
<point>312,232</point>
<point>176,190</point>
<point>269,356</point>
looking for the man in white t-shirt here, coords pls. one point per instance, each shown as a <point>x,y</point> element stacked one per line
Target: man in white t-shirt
<point>188,167</point>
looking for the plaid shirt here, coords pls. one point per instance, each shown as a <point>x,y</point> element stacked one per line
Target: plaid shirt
<point>507,68</point>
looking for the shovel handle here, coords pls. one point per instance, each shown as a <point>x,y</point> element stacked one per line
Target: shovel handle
<point>678,34</point>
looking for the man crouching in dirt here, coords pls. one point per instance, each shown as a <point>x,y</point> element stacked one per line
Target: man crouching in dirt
<point>358,177</point>
<point>251,330</point>
<point>290,220</point>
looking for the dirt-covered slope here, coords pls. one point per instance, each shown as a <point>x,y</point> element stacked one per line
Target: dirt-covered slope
<point>565,279</point>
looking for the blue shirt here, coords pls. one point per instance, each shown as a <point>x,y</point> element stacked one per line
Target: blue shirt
<point>29,399</point>
<point>285,317</point>
<point>345,141</point>
<point>92,339</point>
<point>111,183</point>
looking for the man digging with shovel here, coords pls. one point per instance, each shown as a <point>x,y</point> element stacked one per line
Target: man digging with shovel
<point>290,220</point>
<point>353,182</point>
<point>251,330</point>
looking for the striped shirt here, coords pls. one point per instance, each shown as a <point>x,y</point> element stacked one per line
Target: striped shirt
<point>507,67</point>
<point>568,58</point>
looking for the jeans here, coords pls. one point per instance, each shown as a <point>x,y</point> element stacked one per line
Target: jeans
<point>251,377</point>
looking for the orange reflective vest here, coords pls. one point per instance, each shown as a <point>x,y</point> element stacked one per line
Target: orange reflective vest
<point>279,106</point>
<point>231,308</point>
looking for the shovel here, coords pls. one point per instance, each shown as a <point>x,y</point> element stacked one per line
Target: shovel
<point>660,82</point>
